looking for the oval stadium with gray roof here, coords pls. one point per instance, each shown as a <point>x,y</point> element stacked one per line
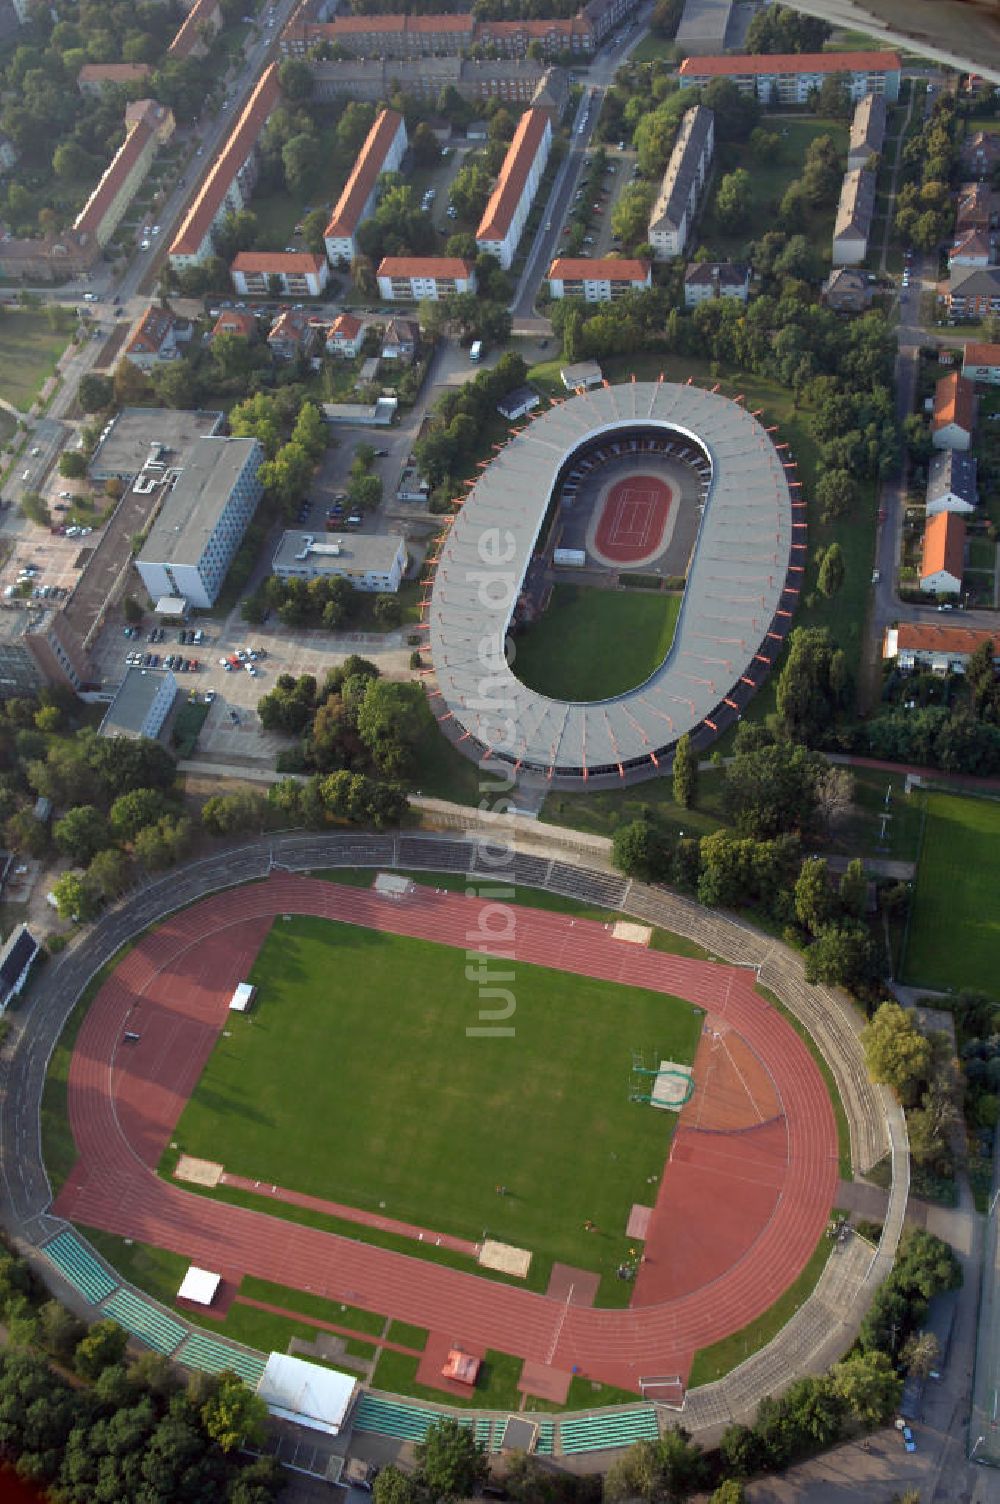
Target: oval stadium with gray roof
<point>742,586</point>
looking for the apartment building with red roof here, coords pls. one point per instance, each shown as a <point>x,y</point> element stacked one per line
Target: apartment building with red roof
<point>93,78</point>
<point>944,650</point>
<point>295,273</point>
<point>981,362</point>
<point>194,35</point>
<point>413,278</point>
<point>235,321</point>
<point>229,182</point>
<point>149,126</point>
<point>520,174</point>
<point>598,281</point>
<point>381,152</point>
<point>790,78</point>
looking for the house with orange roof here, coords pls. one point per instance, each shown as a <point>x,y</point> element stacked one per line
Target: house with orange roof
<point>520,174</point>
<point>972,248</point>
<point>94,78</point>
<point>293,333</point>
<point>230,180</point>
<point>235,321</point>
<point>954,412</point>
<point>300,274</point>
<point>157,337</point>
<point>381,152</point>
<point>598,281</point>
<point>792,77</point>
<point>981,362</point>
<point>345,336</point>
<point>414,278</point>
<point>943,562</point>
<point>943,650</point>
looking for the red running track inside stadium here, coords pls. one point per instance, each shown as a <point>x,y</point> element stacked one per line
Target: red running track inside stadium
<point>734,1238</point>
<point>633,518</point>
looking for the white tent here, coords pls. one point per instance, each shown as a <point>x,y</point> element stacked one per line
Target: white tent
<point>307,1394</point>
<point>199,1285</point>
<point>242,998</point>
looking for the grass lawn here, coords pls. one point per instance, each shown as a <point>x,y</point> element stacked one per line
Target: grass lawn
<point>860,834</point>
<point>29,350</point>
<point>651,49</point>
<point>187,726</point>
<point>495,1388</point>
<point>770,179</point>
<point>954,935</point>
<point>592,644</point>
<point>442,772</point>
<point>600,813</point>
<point>711,1363</point>
<point>982,554</point>
<point>389,1099</point>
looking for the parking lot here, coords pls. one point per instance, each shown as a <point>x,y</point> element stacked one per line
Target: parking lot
<point>56,562</point>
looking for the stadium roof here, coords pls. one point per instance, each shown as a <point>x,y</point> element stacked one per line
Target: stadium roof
<point>734,589</point>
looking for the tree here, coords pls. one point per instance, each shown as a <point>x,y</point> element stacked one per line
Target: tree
<point>732,202</point>
<point>103,1345</point>
<point>896,1052</point>
<point>632,849</point>
<point>130,812</point>
<point>387,610</point>
<point>300,159</point>
<point>835,493</point>
<point>834,795</point>
<point>72,464</point>
<point>234,1415</point>
<point>391,719</point>
<point>843,956</point>
<point>868,1385</point>
<point>81,833</point>
<point>920,1354</point>
<point>109,872</point>
<point>771,789</point>
<point>636,1474</point>
<point>729,1492</point>
<point>854,889</point>
<point>449,1462</point>
<point>95,392</point>
<point>393,1487</point>
<point>59,1329</point>
<point>813,898</point>
<point>810,687</point>
<point>296,80</point>
<point>831,570</point>
<point>76,897</point>
<point>685,773</point>
<point>313,227</point>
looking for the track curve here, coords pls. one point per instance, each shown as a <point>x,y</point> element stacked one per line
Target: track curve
<point>119,1118</point>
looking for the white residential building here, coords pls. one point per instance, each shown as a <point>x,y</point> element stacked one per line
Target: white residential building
<point>867,130</point>
<point>298,274</point>
<point>705,280</point>
<point>202,521</point>
<point>381,152</point>
<point>520,174</point>
<point>791,78</point>
<point>141,705</point>
<point>674,210</point>
<point>413,278</point>
<point>598,281</point>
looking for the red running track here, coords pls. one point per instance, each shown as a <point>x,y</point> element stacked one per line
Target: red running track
<point>174,989</point>
<point>633,518</point>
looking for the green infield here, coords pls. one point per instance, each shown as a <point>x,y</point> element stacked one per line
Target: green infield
<point>954,932</point>
<point>592,644</point>
<point>354,1079</point>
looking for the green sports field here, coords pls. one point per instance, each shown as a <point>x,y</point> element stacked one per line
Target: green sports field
<point>591,644</point>
<point>353,1079</point>
<point>954,933</point>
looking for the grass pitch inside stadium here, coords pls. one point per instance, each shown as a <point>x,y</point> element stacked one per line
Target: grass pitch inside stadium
<point>592,644</point>
<point>954,931</point>
<point>353,1079</point>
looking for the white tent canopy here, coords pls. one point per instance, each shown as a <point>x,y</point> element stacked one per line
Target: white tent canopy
<point>199,1285</point>
<point>307,1394</point>
<point>242,998</point>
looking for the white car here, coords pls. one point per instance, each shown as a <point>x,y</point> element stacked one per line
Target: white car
<point>251,669</point>
<point>144,245</point>
<point>36,450</point>
<point>25,474</point>
<point>155,230</point>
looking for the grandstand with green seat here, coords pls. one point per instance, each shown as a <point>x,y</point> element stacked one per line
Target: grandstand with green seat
<point>598,1433</point>
<point>80,1268</point>
<point>210,1355</point>
<point>145,1320</point>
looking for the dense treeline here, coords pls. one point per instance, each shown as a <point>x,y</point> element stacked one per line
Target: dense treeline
<point>126,1428</point>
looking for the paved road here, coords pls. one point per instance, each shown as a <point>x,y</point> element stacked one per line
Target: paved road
<point>546,243</point>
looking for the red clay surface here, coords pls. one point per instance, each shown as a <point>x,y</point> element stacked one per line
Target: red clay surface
<point>726,1255</point>
<point>633,518</point>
